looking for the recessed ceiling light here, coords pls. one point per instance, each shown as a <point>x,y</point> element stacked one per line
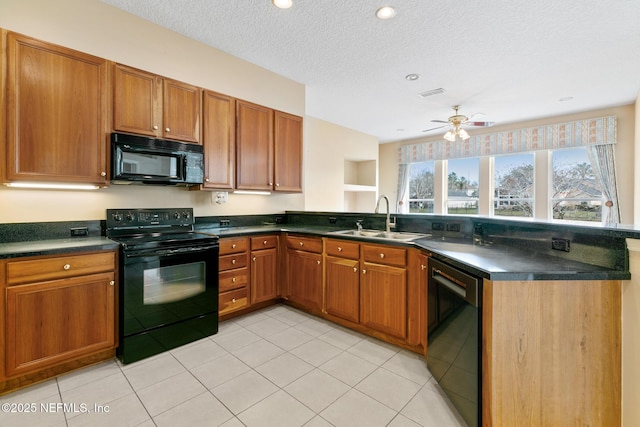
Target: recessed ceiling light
<point>282,4</point>
<point>385,12</point>
<point>412,76</point>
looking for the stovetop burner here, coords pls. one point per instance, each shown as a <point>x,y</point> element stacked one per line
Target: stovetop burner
<point>154,228</point>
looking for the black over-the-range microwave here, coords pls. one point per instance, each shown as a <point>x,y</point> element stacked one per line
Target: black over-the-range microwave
<point>142,160</point>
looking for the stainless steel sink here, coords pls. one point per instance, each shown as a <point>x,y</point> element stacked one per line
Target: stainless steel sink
<point>379,234</point>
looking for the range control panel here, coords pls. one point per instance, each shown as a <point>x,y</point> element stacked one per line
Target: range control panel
<point>148,218</point>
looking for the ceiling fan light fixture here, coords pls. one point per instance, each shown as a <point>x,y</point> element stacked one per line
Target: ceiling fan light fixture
<point>282,4</point>
<point>450,136</point>
<point>463,134</point>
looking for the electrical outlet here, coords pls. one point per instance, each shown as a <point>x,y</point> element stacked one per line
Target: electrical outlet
<point>279,219</point>
<point>453,226</point>
<point>437,226</point>
<point>225,222</point>
<point>333,220</point>
<point>560,244</point>
<point>79,232</point>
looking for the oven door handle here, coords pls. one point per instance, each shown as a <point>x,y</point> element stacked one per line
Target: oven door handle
<point>169,252</point>
<point>449,284</point>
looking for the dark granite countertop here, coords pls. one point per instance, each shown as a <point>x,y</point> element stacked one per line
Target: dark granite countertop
<point>490,261</point>
<point>55,246</point>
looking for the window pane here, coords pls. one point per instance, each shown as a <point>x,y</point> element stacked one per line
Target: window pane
<point>576,192</point>
<point>463,186</point>
<point>513,185</point>
<point>421,187</point>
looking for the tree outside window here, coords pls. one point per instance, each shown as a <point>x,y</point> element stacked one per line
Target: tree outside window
<point>421,188</point>
<point>513,185</point>
<point>576,192</point>
<point>462,186</point>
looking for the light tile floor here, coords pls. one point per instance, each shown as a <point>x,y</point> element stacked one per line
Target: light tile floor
<point>277,367</point>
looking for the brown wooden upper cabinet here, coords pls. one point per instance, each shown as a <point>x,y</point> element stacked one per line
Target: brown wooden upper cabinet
<point>219,140</point>
<point>269,149</point>
<point>156,106</point>
<point>57,118</point>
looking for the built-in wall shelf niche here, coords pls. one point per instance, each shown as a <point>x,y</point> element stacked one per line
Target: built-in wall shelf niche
<point>360,185</point>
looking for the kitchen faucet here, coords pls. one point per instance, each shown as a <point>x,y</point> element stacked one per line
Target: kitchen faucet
<point>388,223</point>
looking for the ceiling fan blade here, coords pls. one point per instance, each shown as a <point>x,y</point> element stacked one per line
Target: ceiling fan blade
<point>439,127</point>
<point>479,124</point>
<point>440,121</point>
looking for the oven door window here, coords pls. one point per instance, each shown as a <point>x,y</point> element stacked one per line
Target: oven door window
<point>161,290</point>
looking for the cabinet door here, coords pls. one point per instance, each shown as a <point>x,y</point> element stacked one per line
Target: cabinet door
<point>51,322</point>
<point>342,288</point>
<point>218,140</point>
<point>57,120</point>
<point>304,278</point>
<point>264,277</point>
<point>254,147</point>
<point>383,303</point>
<point>181,111</point>
<point>288,152</point>
<point>138,102</point>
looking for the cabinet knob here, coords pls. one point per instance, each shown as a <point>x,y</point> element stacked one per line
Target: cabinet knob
<point>233,300</point>
<point>167,130</point>
<point>423,267</point>
<point>355,269</point>
<point>364,271</point>
<point>270,184</point>
<point>66,266</point>
<point>254,259</point>
<point>301,243</point>
<point>339,249</point>
<point>233,246</point>
<point>318,262</point>
<point>103,173</point>
<point>155,127</point>
<point>233,280</point>
<point>381,255</point>
<point>206,180</point>
<point>233,261</point>
<point>277,184</point>
<point>112,283</point>
<point>264,242</point>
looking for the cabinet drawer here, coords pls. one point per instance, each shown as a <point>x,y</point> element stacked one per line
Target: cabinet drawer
<point>35,270</point>
<point>263,242</point>
<point>233,279</point>
<point>343,249</point>
<point>233,300</point>
<point>228,262</point>
<point>385,255</point>
<point>308,244</point>
<point>232,245</point>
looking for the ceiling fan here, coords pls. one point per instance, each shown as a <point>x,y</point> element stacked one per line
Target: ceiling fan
<point>456,122</point>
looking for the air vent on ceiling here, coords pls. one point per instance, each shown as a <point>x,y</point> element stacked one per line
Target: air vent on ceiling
<point>431,92</point>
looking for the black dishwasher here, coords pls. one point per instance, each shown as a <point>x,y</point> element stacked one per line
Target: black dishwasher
<point>454,337</point>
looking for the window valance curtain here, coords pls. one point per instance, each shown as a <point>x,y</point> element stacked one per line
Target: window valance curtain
<point>580,133</point>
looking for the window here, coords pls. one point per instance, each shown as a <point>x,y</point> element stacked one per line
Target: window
<point>576,194</point>
<point>421,187</point>
<point>462,186</point>
<point>513,185</point>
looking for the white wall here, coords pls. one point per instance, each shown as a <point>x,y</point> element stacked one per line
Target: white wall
<point>93,27</point>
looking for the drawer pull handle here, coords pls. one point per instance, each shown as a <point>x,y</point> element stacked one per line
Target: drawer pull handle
<point>112,283</point>
<point>264,242</point>
<point>233,261</point>
<point>66,266</point>
<point>381,255</point>
<point>233,300</point>
<point>233,246</point>
<point>339,249</point>
<point>301,243</point>
<point>233,279</point>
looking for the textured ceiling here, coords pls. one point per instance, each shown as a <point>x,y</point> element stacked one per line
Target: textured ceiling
<point>511,60</point>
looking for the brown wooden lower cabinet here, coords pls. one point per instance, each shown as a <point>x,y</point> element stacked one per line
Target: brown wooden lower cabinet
<point>304,271</point>
<point>264,268</point>
<point>552,353</point>
<point>233,274</point>
<point>57,310</point>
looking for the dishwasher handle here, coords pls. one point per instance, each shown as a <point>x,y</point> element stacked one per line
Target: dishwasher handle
<point>468,293</point>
